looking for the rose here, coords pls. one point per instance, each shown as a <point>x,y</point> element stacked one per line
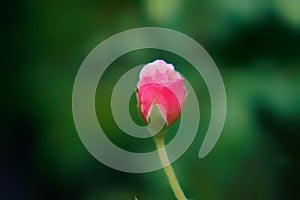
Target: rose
<point>161,85</point>
<point>161,94</point>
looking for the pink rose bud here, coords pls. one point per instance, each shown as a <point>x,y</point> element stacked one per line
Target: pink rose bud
<point>161,85</point>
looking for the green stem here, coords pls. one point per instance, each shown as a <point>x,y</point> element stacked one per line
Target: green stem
<point>160,145</point>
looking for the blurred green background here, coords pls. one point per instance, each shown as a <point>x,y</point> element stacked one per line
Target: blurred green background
<point>255,44</point>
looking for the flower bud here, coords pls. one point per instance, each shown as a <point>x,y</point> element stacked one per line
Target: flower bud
<point>160,85</point>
